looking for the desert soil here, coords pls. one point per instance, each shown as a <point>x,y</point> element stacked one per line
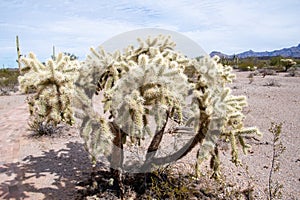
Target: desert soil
<point>50,167</point>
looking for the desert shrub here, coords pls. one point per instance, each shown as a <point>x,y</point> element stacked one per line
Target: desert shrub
<point>38,127</point>
<point>294,71</point>
<point>267,71</point>
<point>165,184</point>
<point>247,64</point>
<point>244,67</point>
<point>275,61</point>
<point>8,81</point>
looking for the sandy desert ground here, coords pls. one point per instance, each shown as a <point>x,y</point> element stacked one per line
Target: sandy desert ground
<point>48,168</point>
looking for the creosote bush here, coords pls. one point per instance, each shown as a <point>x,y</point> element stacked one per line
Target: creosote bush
<point>8,81</point>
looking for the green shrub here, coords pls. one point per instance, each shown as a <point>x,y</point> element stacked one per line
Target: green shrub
<point>8,80</point>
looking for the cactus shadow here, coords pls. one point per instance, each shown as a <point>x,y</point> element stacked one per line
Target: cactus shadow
<point>51,175</point>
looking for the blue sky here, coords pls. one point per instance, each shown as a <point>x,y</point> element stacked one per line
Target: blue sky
<point>74,26</point>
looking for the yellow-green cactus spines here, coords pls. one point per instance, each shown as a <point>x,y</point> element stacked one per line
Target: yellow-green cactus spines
<point>54,87</point>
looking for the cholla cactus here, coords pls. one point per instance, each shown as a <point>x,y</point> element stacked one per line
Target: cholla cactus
<point>155,81</point>
<point>287,63</point>
<point>54,86</point>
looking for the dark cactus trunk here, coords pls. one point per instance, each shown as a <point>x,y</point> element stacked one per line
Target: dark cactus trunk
<point>116,161</point>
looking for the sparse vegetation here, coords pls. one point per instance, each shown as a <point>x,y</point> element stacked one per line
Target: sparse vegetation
<point>169,182</point>
<point>39,127</point>
<point>274,189</point>
<point>8,81</point>
<point>278,63</point>
<point>294,71</point>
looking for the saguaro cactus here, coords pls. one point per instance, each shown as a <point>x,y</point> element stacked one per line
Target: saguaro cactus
<point>18,53</point>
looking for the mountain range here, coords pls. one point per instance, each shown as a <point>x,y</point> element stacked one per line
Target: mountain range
<point>292,52</point>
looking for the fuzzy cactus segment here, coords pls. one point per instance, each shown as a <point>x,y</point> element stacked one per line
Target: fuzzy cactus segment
<point>54,87</point>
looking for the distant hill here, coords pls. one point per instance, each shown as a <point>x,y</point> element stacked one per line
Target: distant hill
<point>293,52</point>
